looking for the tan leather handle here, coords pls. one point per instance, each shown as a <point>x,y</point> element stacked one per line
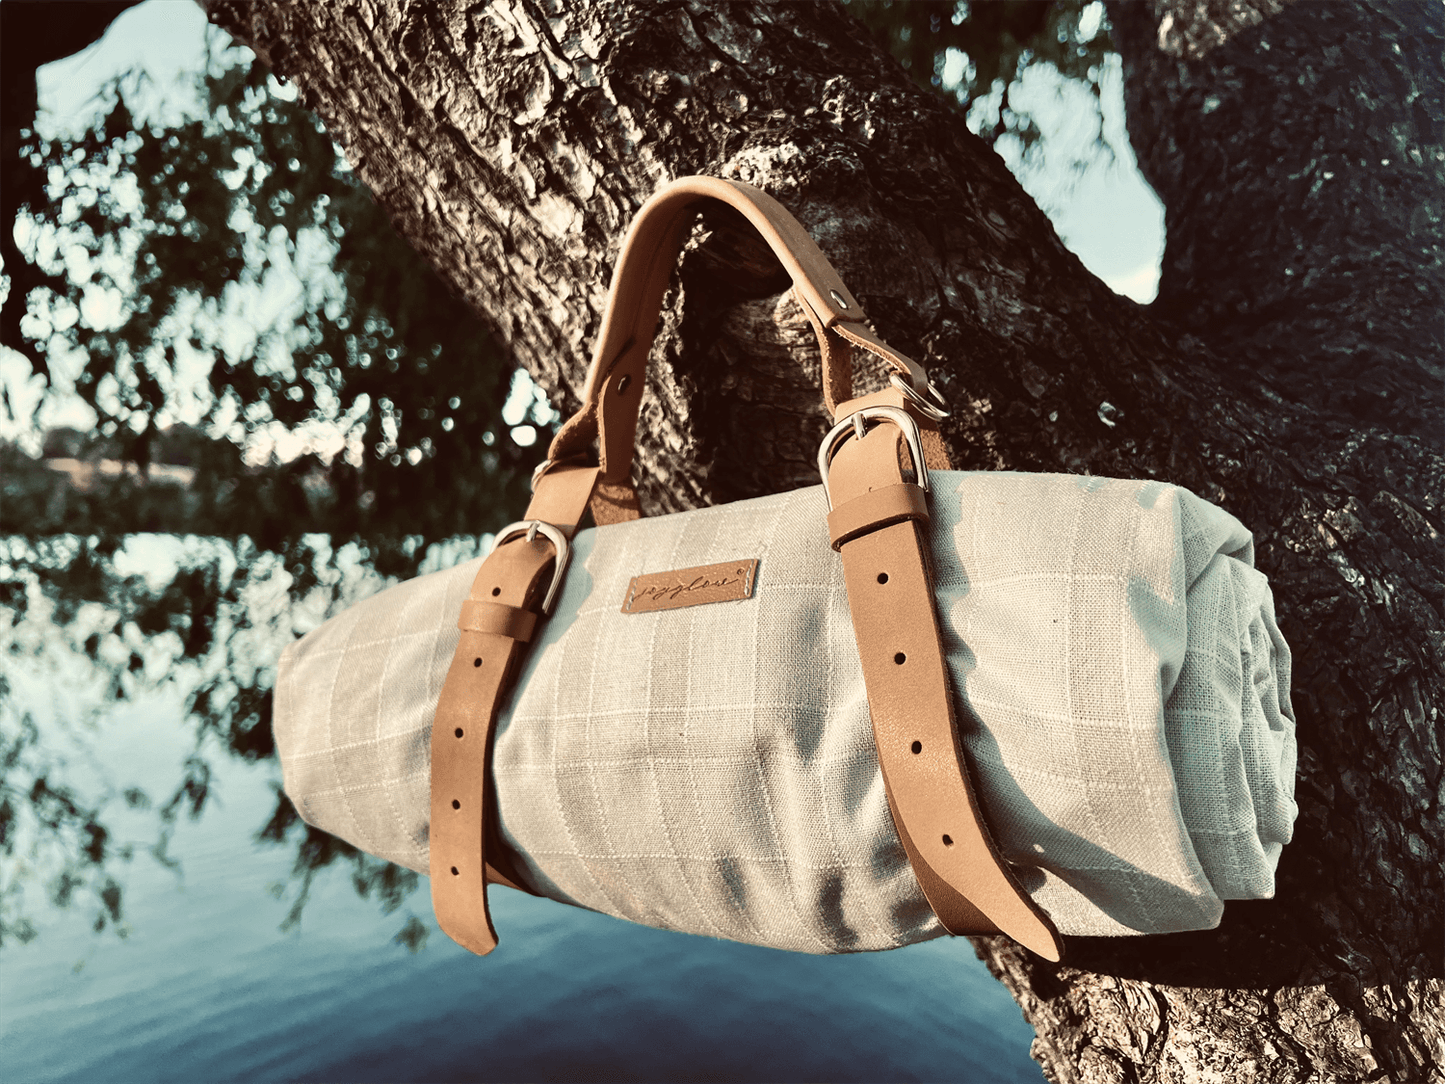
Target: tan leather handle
<point>649,254</point>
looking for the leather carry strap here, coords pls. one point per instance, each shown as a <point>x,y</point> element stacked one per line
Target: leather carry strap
<point>930,794</point>
<point>876,527</point>
<point>497,620</point>
<point>644,268</point>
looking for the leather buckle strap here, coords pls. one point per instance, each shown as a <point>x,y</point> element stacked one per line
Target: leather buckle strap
<point>461,742</point>
<point>531,527</point>
<point>516,586</point>
<point>855,424</point>
<point>925,771</point>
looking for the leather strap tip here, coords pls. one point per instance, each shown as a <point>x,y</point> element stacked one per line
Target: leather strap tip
<point>1034,930</point>
<point>1053,951</point>
<point>1044,941</point>
<point>876,509</point>
<point>474,945</point>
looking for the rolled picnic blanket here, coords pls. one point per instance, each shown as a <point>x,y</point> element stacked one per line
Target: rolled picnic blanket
<point>1123,696</point>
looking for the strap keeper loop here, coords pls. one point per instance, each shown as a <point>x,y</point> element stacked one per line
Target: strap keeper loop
<point>876,509</point>
<point>497,619</point>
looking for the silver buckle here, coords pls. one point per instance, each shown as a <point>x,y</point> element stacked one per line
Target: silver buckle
<point>934,406</point>
<point>531,528</point>
<point>854,425</point>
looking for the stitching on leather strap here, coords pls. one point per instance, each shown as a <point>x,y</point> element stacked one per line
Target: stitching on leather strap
<point>874,509</point>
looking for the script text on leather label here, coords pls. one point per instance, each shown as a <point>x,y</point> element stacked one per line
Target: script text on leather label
<point>726,582</point>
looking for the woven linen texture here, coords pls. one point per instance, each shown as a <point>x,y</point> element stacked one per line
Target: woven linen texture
<point>1123,696</point>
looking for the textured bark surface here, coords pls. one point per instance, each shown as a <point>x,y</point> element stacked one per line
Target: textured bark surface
<point>1302,183</point>
<point>512,142</point>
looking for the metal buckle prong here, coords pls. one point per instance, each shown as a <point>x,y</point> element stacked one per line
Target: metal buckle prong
<point>854,425</point>
<point>531,528</point>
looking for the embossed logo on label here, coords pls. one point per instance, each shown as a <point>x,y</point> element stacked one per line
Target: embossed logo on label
<point>726,582</point>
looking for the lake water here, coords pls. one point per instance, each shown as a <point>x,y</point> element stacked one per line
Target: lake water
<point>206,985</point>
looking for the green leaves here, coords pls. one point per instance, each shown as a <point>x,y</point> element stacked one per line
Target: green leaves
<point>973,52</point>
<point>228,273</point>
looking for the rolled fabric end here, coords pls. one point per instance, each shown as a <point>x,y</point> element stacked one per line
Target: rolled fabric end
<point>1134,747</point>
<point>1228,720</point>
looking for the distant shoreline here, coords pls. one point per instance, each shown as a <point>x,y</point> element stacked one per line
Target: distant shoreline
<point>84,473</point>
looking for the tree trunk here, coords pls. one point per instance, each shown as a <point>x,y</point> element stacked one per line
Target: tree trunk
<point>1301,179</point>
<point>512,143</point>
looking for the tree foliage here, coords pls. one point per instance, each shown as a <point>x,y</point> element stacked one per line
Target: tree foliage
<point>994,44</point>
<point>231,267</point>
<point>168,245</point>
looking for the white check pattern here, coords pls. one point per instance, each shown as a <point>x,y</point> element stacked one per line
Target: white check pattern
<point>1123,693</point>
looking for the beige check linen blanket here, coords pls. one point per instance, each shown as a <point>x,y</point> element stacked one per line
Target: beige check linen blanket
<point>1123,695</point>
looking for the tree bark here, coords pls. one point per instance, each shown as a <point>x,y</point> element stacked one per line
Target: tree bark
<point>513,141</point>
<point>1301,179</point>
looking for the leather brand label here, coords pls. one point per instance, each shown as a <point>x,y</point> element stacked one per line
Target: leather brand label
<point>726,582</point>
